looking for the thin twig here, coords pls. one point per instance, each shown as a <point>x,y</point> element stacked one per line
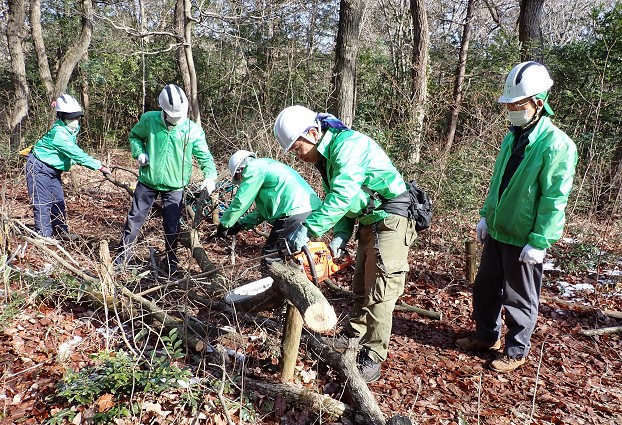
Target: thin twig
<point>479,397</point>
<point>535,388</point>
<point>221,389</point>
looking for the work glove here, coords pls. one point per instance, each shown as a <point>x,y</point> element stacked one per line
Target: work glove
<point>338,244</point>
<point>298,238</point>
<point>208,185</point>
<point>481,230</point>
<point>531,255</point>
<point>223,232</point>
<point>143,159</point>
<point>105,170</point>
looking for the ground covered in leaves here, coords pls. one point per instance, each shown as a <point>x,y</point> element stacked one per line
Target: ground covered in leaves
<point>48,330</point>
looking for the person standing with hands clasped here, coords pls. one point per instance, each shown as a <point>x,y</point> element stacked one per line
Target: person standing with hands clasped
<point>281,196</point>
<point>522,217</point>
<point>54,153</point>
<point>163,143</point>
<point>361,184</point>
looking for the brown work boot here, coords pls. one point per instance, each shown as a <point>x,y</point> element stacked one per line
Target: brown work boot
<point>505,363</point>
<point>473,344</point>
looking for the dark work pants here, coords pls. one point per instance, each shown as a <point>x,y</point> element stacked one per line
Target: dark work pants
<point>144,197</point>
<point>45,191</point>
<point>281,228</point>
<point>503,281</point>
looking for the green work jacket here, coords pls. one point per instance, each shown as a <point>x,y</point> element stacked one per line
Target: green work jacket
<point>531,208</point>
<point>170,151</point>
<point>277,190</point>
<point>352,161</point>
<point>59,149</point>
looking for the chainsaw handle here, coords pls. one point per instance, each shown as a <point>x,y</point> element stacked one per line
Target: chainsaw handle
<point>307,253</point>
<point>347,260</point>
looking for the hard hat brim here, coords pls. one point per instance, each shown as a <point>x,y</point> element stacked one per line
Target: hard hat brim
<point>73,115</point>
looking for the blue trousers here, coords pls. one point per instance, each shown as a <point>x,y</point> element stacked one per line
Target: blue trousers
<point>45,191</point>
<point>144,198</point>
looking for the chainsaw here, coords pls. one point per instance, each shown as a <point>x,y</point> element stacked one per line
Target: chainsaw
<point>314,259</point>
<point>317,262</point>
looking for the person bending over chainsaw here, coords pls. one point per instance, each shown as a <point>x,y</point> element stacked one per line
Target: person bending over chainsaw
<point>164,142</point>
<point>361,183</point>
<point>54,153</point>
<point>281,196</point>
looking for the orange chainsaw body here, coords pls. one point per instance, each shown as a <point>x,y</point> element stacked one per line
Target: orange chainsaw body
<point>322,260</point>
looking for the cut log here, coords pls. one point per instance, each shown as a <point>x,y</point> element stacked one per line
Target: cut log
<point>470,266</point>
<point>290,342</point>
<point>317,313</point>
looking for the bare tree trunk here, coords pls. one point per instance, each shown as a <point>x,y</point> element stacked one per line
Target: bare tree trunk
<point>15,33</point>
<point>78,50</point>
<point>183,22</point>
<point>84,94</point>
<point>459,80</point>
<point>42,57</point>
<point>421,40</point>
<point>194,96</point>
<point>344,73</point>
<point>530,30</point>
<point>609,199</point>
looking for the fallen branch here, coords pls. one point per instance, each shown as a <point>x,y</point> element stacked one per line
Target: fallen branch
<point>301,395</point>
<point>582,307</point>
<point>400,306</point>
<point>601,331</point>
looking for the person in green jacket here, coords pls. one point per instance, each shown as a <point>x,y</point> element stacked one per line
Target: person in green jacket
<point>361,184</point>
<point>163,143</point>
<point>522,217</point>
<point>281,197</point>
<point>54,153</point>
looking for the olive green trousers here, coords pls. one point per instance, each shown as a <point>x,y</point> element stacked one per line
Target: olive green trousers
<point>379,278</point>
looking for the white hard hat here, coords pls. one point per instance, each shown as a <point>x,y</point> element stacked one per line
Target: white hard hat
<point>173,101</point>
<point>292,123</point>
<point>68,107</point>
<point>525,80</point>
<point>239,160</point>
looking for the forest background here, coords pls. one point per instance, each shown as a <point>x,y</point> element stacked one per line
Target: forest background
<point>421,78</point>
<point>425,88</point>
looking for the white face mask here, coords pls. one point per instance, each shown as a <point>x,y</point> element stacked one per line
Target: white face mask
<point>519,118</point>
<point>73,124</point>
<point>171,121</point>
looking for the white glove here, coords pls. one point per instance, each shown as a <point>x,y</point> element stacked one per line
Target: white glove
<point>481,230</point>
<point>338,244</point>
<point>143,159</point>
<point>208,185</point>
<point>531,255</point>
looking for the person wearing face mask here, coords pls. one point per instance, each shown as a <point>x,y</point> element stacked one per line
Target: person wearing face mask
<point>163,143</point>
<point>361,185</point>
<point>523,215</point>
<point>54,153</point>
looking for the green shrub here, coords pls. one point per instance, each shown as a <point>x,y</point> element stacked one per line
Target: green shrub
<point>122,374</point>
